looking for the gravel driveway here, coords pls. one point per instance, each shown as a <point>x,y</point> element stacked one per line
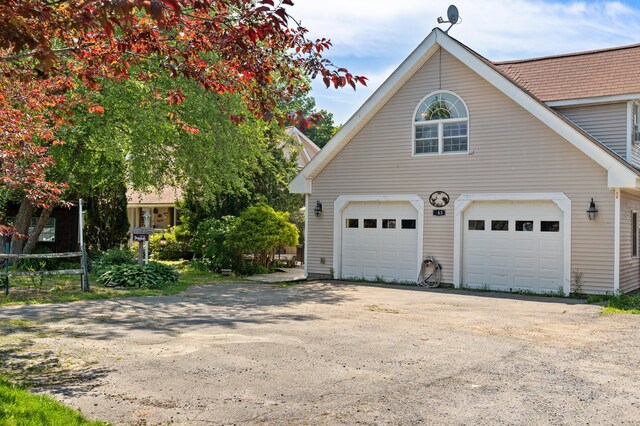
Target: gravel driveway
<point>341,353</point>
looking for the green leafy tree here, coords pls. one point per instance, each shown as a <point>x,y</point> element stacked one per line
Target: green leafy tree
<point>323,130</point>
<point>259,230</point>
<point>267,182</point>
<point>320,128</point>
<point>107,222</point>
<point>210,241</point>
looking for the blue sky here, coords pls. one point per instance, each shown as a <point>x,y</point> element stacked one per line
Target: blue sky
<point>372,37</point>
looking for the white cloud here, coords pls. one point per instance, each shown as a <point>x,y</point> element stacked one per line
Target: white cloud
<point>372,37</point>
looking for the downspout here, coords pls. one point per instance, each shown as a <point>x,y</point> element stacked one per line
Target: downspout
<point>616,244</point>
<point>306,233</point>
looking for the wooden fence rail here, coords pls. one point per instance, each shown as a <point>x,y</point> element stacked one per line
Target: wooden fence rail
<point>36,273</point>
<point>41,256</point>
<point>7,258</point>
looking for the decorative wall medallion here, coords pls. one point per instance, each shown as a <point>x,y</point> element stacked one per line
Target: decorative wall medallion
<point>439,199</point>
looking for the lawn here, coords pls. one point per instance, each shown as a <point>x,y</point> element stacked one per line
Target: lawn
<point>66,288</point>
<point>22,408</point>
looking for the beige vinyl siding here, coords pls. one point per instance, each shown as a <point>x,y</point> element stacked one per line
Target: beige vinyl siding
<point>605,122</point>
<point>510,151</point>
<point>629,265</point>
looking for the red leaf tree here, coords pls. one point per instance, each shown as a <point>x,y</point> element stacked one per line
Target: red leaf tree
<point>254,49</point>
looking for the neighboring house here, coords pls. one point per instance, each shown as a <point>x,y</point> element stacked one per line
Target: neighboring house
<point>160,207</point>
<point>518,149</point>
<point>60,233</point>
<point>301,144</point>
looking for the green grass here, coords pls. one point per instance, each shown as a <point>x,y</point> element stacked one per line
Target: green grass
<point>628,304</point>
<point>66,288</point>
<point>20,407</point>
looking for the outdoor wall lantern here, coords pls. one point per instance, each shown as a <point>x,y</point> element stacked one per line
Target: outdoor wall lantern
<point>318,209</point>
<point>163,242</point>
<point>592,211</point>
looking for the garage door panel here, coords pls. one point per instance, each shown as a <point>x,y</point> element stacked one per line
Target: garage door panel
<point>381,252</point>
<point>508,260</point>
<point>523,281</point>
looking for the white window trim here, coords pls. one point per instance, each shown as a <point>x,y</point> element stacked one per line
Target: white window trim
<point>440,124</point>
<point>465,200</point>
<point>344,200</point>
<point>637,255</point>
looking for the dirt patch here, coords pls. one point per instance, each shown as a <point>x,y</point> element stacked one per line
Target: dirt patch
<point>338,353</point>
<point>376,308</point>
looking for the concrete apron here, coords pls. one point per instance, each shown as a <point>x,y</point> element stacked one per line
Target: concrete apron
<point>282,275</point>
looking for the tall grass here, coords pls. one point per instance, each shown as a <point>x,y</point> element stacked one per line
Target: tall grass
<point>19,407</point>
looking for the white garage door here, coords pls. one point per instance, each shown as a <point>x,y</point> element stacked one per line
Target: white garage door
<point>513,246</point>
<point>379,241</point>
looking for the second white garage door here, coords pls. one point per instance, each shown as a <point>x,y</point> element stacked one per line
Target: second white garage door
<point>513,246</point>
<point>379,241</point>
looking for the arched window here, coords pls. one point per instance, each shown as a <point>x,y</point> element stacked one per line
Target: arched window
<point>441,125</point>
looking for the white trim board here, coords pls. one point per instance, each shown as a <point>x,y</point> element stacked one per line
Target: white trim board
<point>465,200</point>
<point>344,200</point>
<point>594,100</point>
<point>619,175</point>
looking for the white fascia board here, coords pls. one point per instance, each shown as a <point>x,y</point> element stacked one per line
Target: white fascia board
<point>594,100</point>
<point>619,174</point>
<point>376,101</point>
<point>150,205</point>
<point>622,177</point>
<point>300,185</point>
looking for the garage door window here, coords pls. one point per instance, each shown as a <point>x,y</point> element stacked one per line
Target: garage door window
<point>370,223</point>
<point>388,223</point>
<point>352,223</point>
<point>550,226</point>
<point>476,225</point>
<point>524,225</point>
<point>499,225</point>
<point>408,224</point>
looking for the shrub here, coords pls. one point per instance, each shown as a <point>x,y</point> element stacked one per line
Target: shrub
<point>112,257</point>
<point>175,249</point>
<point>153,275</point>
<point>259,230</point>
<point>249,268</point>
<point>209,242</point>
<point>199,265</point>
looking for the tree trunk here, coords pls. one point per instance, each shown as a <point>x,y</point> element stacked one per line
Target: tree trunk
<point>22,222</point>
<point>33,237</point>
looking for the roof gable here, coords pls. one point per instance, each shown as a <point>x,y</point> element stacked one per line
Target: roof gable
<point>621,174</point>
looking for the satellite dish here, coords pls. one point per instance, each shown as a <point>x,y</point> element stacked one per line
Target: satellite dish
<point>452,14</point>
